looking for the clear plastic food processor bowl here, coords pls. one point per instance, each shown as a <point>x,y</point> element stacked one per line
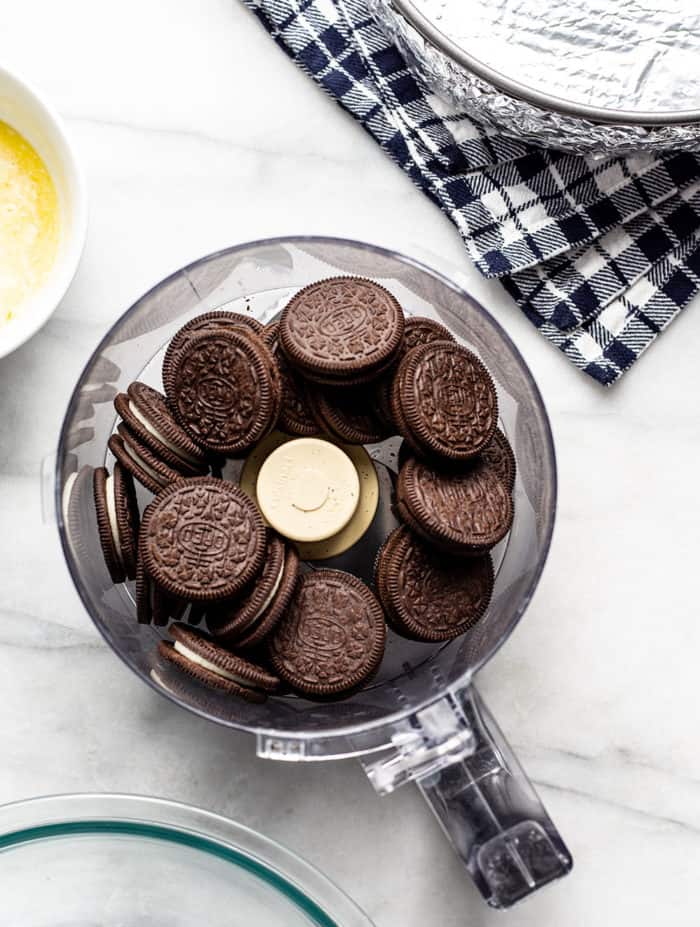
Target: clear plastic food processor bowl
<point>421,718</point>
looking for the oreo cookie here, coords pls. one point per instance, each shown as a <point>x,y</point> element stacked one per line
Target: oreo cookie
<point>248,620</point>
<point>382,403</point>
<point>140,461</point>
<point>344,330</point>
<point>296,417</point>
<point>202,540</point>
<point>331,638</point>
<point>422,330</point>
<point>462,512</point>
<point>153,605</point>
<point>347,414</point>
<point>198,656</point>
<point>216,320</point>
<point>226,392</point>
<point>444,402</point>
<point>417,330</point>
<point>145,412</point>
<point>117,521</point>
<point>428,596</point>
<point>498,455</point>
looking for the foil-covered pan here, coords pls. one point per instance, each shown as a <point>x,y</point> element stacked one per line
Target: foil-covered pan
<point>601,77</point>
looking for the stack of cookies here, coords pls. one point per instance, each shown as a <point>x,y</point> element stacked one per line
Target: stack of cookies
<point>341,361</point>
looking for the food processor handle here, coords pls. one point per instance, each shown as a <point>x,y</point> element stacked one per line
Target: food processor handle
<point>492,815</point>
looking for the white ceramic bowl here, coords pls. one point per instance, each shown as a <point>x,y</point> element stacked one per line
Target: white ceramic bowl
<point>27,112</point>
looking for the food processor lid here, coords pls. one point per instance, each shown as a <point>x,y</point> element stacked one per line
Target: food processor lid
<point>92,847</point>
<point>604,60</point>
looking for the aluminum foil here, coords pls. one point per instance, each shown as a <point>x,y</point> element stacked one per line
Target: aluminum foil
<point>603,54</point>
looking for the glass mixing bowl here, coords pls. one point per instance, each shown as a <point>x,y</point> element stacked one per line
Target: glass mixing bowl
<point>83,860</point>
<point>420,719</point>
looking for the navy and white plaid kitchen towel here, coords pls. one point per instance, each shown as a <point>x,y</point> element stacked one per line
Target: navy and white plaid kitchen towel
<point>600,255</point>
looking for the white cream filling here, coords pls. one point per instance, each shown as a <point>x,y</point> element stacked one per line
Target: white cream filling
<point>268,601</point>
<point>212,667</point>
<point>144,466</point>
<point>112,516</point>
<point>158,435</point>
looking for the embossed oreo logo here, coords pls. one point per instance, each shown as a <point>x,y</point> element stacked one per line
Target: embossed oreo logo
<point>217,393</point>
<point>323,635</point>
<point>456,398</point>
<point>205,540</point>
<point>341,320</point>
<point>344,320</point>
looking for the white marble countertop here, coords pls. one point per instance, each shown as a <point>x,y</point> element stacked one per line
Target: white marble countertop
<point>196,132</point>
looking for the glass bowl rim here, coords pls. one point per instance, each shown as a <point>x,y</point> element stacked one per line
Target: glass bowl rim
<point>282,240</point>
<point>142,816</point>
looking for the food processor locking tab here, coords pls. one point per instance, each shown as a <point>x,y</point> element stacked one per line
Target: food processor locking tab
<point>422,745</point>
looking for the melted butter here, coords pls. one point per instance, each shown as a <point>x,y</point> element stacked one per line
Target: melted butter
<point>29,221</point>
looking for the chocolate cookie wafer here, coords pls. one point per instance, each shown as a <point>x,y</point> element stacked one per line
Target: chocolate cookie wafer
<point>427,595</point>
<point>269,618</point>
<point>117,520</point>
<point>462,512</point>
<point>417,330</point>
<point>226,392</point>
<point>383,557</point>
<point>382,403</point>
<point>331,638</point>
<point>145,412</point>
<point>198,656</point>
<point>342,330</point>
<point>295,416</point>
<point>213,321</point>
<point>499,456</point>
<point>153,605</point>
<point>421,330</point>
<point>344,381</point>
<point>347,414</point>
<point>443,401</point>
<point>140,461</point>
<point>202,540</point>
<point>245,622</point>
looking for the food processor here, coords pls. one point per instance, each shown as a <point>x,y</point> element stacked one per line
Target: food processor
<point>421,718</point>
